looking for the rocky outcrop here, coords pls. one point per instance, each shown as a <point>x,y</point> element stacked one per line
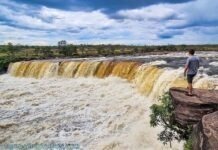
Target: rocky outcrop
<point>209,126</point>
<point>205,133</point>
<point>201,111</point>
<point>189,110</point>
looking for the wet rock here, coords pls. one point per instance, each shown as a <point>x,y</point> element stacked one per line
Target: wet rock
<point>7,125</point>
<point>190,109</point>
<point>3,139</point>
<point>7,103</point>
<point>35,104</point>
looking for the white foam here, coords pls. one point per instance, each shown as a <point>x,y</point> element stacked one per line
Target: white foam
<point>215,63</point>
<point>158,62</point>
<point>94,113</point>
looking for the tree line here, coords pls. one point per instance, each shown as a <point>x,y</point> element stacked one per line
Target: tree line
<point>10,53</point>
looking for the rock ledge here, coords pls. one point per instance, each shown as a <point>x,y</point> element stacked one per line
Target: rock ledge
<point>201,111</point>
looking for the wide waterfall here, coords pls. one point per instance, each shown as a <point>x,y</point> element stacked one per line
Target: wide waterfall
<point>149,79</point>
<point>99,103</point>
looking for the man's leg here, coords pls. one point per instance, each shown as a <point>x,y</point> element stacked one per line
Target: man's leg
<point>190,89</point>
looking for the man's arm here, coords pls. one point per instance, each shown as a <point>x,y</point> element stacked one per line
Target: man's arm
<point>199,62</point>
<point>186,67</point>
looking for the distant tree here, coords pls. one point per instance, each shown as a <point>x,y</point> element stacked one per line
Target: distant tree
<point>37,51</point>
<point>136,50</point>
<point>74,50</point>
<point>183,47</point>
<point>112,50</point>
<point>11,50</point>
<point>171,48</point>
<point>26,50</point>
<point>82,49</point>
<point>99,50</point>
<point>68,50</point>
<point>46,51</point>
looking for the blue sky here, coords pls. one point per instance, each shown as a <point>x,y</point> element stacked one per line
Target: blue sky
<point>141,22</point>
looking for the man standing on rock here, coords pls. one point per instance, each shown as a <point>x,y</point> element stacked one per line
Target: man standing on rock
<point>191,69</point>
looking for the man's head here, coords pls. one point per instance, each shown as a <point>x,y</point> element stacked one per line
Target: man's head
<point>191,52</point>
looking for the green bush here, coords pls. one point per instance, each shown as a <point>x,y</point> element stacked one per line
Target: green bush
<point>188,144</point>
<point>4,62</point>
<point>162,115</point>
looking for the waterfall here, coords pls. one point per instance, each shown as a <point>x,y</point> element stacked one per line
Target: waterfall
<point>150,80</point>
<point>105,69</point>
<point>68,69</point>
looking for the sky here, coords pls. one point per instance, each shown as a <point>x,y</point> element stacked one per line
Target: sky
<point>131,22</point>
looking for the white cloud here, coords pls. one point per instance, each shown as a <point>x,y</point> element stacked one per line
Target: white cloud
<point>154,12</point>
<point>48,18</point>
<point>65,19</point>
<point>21,36</point>
<point>32,25</point>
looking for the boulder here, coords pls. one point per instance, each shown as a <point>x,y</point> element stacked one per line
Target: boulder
<point>189,110</point>
<point>210,131</point>
<point>205,133</point>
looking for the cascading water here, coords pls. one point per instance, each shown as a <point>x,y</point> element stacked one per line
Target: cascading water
<point>149,80</point>
<point>101,111</point>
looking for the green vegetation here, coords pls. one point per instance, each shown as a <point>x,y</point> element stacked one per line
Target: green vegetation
<point>162,115</point>
<point>11,53</point>
<point>188,144</point>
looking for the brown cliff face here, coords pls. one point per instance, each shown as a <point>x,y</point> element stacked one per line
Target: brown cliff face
<point>201,111</point>
<point>190,109</point>
<point>209,126</point>
<point>205,133</point>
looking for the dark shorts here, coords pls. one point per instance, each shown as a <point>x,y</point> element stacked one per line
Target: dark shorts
<point>190,77</point>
